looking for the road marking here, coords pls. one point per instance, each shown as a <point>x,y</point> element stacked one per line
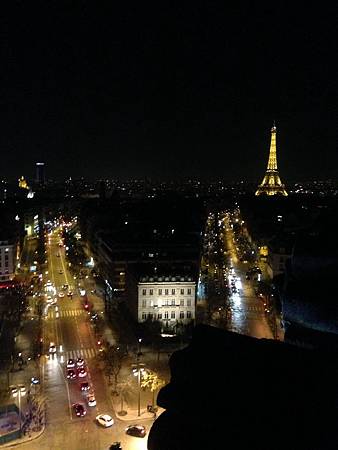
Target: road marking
<point>86,353</point>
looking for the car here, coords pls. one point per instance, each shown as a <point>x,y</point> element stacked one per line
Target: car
<point>71,374</point>
<point>81,373</point>
<point>52,347</point>
<point>65,287</point>
<point>115,446</point>
<point>91,400</point>
<point>70,294</point>
<point>70,363</point>
<point>80,362</point>
<point>60,272</point>
<point>79,409</point>
<point>105,420</point>
<point>136,430</point>
<point>84,386</point>
<point>61,294</point>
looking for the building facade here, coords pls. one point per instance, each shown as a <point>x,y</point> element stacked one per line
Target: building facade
<point>7,260</point>
<point>170,300</point>
<point>40,175</point>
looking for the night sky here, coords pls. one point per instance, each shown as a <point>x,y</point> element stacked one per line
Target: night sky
<point>110,89</point>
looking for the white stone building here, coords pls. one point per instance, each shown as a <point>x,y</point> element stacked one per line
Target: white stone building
<point>7,260</point>
<point>167,299</point>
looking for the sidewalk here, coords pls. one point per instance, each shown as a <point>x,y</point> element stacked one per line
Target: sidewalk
<point>29,437</point>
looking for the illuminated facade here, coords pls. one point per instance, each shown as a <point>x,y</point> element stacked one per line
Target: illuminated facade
<point>7,266</point>
<point>167,299</point>
<point>23,183</point>
<point>271,184</point>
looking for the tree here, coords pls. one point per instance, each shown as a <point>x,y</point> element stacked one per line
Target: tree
<point>122,388</point>
<point>113,357</point>
<point>150,380</point>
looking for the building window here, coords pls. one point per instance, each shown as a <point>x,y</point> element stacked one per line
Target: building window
<point>144,291</point>
<point>189,302</point>
<point>182,291</point>
<point>160,292</point>
<point>188,314</point>
<point>182,315</point>
<point>173,292</point>
<point>189,291</point>
<point>151,291</point>
<point>144,303</point>
<point>173,314</point>
<point>182,302</point>
<point>159,316</point>
<point>144,316</point>
<point>173,302</point>
<point>166,302</point>
<point>166,315</point>
<point>166,291</point>
<point>150,316</point>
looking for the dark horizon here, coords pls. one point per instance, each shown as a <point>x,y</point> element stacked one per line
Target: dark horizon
<point>105,91</point>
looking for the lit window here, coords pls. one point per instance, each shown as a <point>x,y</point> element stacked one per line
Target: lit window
<point>166,302</point>
<point>173,302</point>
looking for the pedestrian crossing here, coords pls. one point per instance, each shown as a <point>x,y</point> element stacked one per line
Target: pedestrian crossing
<point>85,353</point>
<point>256,309</point>
<point>52,314</point>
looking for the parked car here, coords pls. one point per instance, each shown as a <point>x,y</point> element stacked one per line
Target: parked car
<point>136,430</point>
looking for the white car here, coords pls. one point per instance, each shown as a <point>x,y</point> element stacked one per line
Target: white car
<point>52,347</point>
<point>61,294</point>
<point>91,400</point>
<point>105,420</point>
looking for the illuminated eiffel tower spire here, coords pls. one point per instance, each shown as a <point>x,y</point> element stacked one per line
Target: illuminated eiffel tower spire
<point>271,184</point>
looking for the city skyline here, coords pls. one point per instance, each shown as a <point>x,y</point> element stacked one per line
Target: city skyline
<point>117,92</point>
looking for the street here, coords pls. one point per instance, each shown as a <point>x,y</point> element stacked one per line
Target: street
<point>66,324</point>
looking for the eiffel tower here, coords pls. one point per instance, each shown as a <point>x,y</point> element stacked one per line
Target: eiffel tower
<point>271,184</point>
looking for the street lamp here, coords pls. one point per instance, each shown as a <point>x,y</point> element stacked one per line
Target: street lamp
<point>138,369</point>
<point>18,391</point>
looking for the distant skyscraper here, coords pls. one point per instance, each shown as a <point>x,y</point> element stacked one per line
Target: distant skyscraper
<point>40,173</point>
<point>271,184</point>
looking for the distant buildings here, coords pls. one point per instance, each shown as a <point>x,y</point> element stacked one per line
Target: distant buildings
<point>7,260</point>
<point>40,175</point>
